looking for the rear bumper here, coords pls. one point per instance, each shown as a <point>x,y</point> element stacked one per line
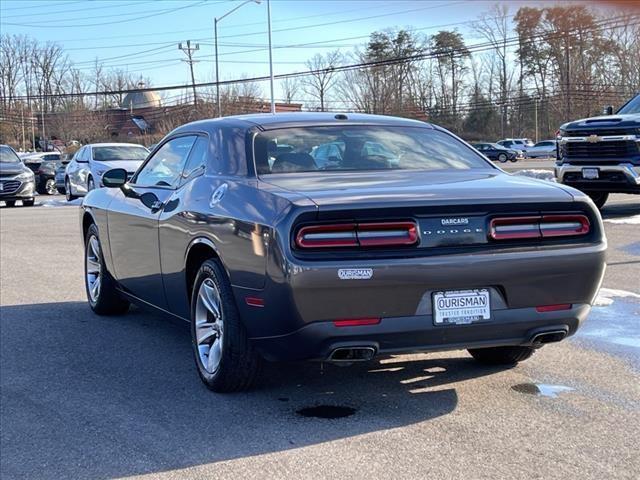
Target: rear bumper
<point>318,340</point>
<point>620,178</point>
<point>294,319</point>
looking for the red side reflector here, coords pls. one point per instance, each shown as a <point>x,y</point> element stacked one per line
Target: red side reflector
<point>356,322</point>
<point>254,301</point>
<point>553,308</point>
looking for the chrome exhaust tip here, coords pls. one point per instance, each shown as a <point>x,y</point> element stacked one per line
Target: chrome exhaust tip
<point>551,336</point>
<point>352,354</point>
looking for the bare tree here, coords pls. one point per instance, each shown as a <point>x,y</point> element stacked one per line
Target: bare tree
<point>319,83</point>
<point>290,87</point>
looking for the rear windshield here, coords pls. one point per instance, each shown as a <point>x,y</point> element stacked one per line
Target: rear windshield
<point>7,155</point>
<point>106,154</point>
<point>361,148</point>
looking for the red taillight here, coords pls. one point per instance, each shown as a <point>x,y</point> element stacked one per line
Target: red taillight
<point>564,225</point>
<point>356,322</point>
<point>544,226</point>
<point>357,235</point>
<point>553,308</point>
<point>514,227</point>
<point>254,301</point>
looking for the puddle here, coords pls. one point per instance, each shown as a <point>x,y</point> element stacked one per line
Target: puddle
<point>541,389</point>
<point>327,411</point>
<point>613,324</point>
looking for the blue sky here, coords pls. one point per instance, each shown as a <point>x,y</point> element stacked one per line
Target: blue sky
<point>142,36</point>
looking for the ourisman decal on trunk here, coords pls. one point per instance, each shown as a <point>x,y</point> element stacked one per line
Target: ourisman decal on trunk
<point>355,273</point>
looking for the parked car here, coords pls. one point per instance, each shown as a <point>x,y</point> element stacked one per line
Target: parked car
<point>493,151</point>
<point>545,148</point>
<point>84,171</point>
<point>284,261</point>
<point>61,173</point>
<point>601,155</point>
<point>43,165</point>
<point>521,144</point>
<point>17,182</point>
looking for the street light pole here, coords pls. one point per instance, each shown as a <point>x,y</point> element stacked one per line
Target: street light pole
<point>273,102</point>
<point>215,38</point>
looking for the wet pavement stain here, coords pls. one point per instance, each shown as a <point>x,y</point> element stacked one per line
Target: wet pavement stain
<point>632,249</point>
<point>327,411</point>
<point>541,389</point>
<point>614,327</point>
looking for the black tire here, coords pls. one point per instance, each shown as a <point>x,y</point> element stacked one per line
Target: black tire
<point>61,190</point>
<point>599,198</point>
<point>108,300</point>
<point>67,191</point>
<point>514,159</point>
<point>239,364</point>
<point>28,203</point>
<point>10,203</point>
<point>509,356</point>
<point>502,158</point>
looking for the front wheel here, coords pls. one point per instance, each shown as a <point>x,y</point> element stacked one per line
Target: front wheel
<point>599,198</point>
<point>225,359</point>
<point>102,293</point>
<point>502,158</point>
<point>67,188</point>
<point>508,356</point>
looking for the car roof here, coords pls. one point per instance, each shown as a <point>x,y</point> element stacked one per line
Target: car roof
<point>268,121</point>
<point>115,144</point>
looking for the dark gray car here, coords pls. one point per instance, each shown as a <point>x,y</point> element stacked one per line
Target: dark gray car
<point>17,182</point>
<point>271,257</point>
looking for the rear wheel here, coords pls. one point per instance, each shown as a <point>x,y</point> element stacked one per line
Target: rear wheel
<point>599,198</point>
<point>67,188</point>
<point>502,158</point>
<point>102,294</point>
<point>28,203</point>
<point>225,359</point>
<point>514,159</point>
<point>501,355</point>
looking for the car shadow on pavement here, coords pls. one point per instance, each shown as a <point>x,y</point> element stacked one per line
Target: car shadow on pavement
<point>620,210</point>
<point>86,396</point>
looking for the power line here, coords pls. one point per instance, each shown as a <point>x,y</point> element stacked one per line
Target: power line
<point>75,10</point>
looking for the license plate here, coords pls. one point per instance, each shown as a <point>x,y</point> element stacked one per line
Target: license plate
<point>461,307</point>
<point>590,173</point>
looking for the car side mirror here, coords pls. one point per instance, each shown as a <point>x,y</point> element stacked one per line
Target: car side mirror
<point>608,110</point>
<point>114,178</point>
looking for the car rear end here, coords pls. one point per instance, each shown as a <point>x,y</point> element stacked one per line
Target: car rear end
<point>395,261</point>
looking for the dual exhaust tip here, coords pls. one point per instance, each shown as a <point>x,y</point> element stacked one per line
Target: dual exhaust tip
<point>364,354</point>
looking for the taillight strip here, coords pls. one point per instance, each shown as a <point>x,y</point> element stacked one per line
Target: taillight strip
<point>544,226</point>
<point>357,235</point>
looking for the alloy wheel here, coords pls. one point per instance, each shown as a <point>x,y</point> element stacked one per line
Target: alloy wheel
<point>50,187</point>
<point>93,268</point>
<point>209,326</point>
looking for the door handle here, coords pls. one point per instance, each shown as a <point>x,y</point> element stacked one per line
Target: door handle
<point>156,206</point>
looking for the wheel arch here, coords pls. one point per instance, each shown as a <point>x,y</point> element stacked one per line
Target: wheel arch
<point>87,221</point>
<point>199,250</point>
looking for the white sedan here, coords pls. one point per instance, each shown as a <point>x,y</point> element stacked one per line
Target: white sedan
<point>84,172</point>
<point>545,148</point>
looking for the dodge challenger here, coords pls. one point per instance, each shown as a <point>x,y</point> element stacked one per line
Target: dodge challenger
<point>419,244</point>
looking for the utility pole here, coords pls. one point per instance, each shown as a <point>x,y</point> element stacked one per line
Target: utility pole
<point>273,102</point>
<point>44,136</point>
<point>22,122</point>
<point>568,73</point>
<point>188,50</point>
<point>535,101</point>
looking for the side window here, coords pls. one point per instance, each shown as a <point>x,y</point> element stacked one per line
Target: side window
<point>165,167</point>
<point>197,161</point>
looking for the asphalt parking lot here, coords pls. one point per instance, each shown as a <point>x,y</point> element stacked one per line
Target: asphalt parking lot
<point>91,397</point>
